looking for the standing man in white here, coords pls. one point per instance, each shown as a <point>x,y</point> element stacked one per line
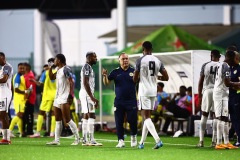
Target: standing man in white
<point>6,74</point>
<point>220,97</point>
<point>88,101</point>
<point>205,92</point>
<point>64,90</point>
<point>146,72</point>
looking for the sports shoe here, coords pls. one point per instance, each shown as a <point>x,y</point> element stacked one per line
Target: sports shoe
<point>237,144</point>
<point>213,144</point>
<point>158,145</point>
<point>84,143</point>
<point>120,144</point>
<point>141,146</point>
<point>133,141</point>
<point>53,143</point>
<point>200,144</point>
<point>94,143</point>
<point>229,146</point>
<point>219,147</point>
<point>5,142</point>
<point>36,135</point>
<point>76,142</point>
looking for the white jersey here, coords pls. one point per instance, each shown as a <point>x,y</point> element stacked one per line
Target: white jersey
<point>208,71</point>
<point>221,91</point>
<point>149,67</point>
<point>87,71</point>
<point>6,88</point>
<point>62,84</point>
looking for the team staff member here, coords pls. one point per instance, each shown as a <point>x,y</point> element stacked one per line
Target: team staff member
<point>125,101</point>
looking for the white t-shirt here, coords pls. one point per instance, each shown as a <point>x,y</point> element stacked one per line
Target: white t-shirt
<point>87,71</point>
<point>62,82</point>
<point>5,88</point>
<point>221,91</point>
<point>149,66</point>
<point>208,71</point>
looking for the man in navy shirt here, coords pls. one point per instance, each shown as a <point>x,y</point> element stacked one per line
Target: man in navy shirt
<point>125,100</point>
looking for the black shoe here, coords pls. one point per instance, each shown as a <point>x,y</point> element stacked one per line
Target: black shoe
<point>237,144</point>
<point>46,134</point>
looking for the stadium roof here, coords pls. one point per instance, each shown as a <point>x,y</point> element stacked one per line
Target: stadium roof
<point>93,8</point>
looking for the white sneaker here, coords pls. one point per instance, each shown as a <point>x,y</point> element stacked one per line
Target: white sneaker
<point>120,144</point>
<point>53,143</point>
<point>75,143</point>
<point>133,141</point>
<point>178,133</point>
<point>84,143</point>
<point>94,143</point>
<point>12,135</point>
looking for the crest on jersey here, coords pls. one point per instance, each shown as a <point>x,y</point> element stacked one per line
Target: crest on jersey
<point>227,73</point>
<point>131,74</point>
<point>86,72</point>
<point>235,72</point>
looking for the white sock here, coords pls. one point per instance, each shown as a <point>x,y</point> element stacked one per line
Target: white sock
<point>84,128</point>
<point>4,133</point>
<point>220,125</point>
<point>91,128</point>
<point>74,129</point>
<point>214,133</point>
<point>151,128</point>
<point>8,134</point>
<point>58,130</point>
<point>144,133</point>
<point>202,127</point>
<point>225,133</point>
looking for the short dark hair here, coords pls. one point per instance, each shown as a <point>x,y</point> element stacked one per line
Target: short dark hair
<point>89,53</point>
<point>27,65</point>
<point>121,54</point>
<point>183,87</point>
<point>2,54</point>
<point>189,89</point>
<point>61,57</point>
<point>232,48</point>
<point>147,45</point>
<point>51,60</point>
<point>20,64</point>
<point>160,84</point>
<point>230,54</point>
<point>215,53</point>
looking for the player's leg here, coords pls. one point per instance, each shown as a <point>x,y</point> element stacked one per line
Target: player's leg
<point>147,106</point>
<point>42,110</point>
<point>119,120</point>
<point>205,107</point>
<point>214,133</point>
<point>85,110</point>
<point>66,116</point>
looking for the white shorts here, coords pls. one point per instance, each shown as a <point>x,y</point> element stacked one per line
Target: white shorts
<point>60,100</point>
<point>146,103</point>
<point>5,103</point>
<point>87,104</point>
<point>207,101</point>
<point>221,108</point>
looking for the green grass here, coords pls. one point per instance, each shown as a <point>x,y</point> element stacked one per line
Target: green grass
<point>182,148</point>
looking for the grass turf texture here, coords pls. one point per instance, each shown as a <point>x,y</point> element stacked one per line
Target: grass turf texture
<point>181,148</point>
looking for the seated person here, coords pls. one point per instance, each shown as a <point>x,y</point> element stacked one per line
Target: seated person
<point>180,106</point>
<point>159,108</point>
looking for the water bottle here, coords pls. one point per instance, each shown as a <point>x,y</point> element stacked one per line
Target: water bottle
<point>30,88</point>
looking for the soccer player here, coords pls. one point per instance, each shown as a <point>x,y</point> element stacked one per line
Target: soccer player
<point>220,97</point>
<point>49,92</point>
<point>64,88</point>
<point>6,74</point>
<point>21,94</point>
<point>146,72</point>
<point>88,101</point>
<point>205,92</point>
<point>125,102</point>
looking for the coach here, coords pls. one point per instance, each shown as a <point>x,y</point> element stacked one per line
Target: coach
<point>125,102</point>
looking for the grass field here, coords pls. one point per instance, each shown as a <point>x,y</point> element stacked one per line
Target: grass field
<point>181,148</point>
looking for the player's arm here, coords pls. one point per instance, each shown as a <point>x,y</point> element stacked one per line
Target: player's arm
<point>52,75</point>
<point>106,81</point>
<point>88,90</point>
<point>6,71</point>
<point>137,71</point>
<point>17,84</point>
<point>227,78</point>
<point>164,76</point>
